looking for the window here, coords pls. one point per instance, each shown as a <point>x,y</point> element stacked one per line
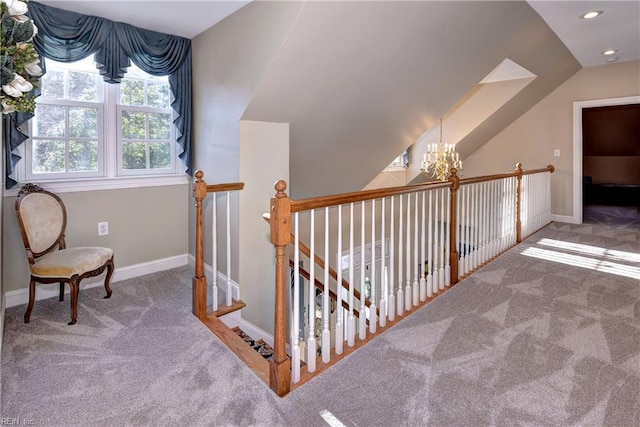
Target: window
<point>67,132</point>
<point>85,129</point>
<point>145,125</point>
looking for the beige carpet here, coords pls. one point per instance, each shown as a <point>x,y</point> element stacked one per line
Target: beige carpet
<point>546,335</point>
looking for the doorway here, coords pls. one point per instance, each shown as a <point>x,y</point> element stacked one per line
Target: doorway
<point>606,178</point>
<point>611,164</point>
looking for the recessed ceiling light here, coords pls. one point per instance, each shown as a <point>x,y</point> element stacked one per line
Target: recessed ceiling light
<point>609,52</point>
<point>592,14</point>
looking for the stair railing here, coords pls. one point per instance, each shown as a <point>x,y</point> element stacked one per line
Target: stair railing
<point>200,191</point>
<point>414,242</point>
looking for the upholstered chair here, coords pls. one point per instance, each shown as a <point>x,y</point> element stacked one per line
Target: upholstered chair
<point>42,218</point>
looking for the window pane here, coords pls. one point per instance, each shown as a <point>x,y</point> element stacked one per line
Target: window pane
<point>158,95</point>
<point>83,122</point>
<point>159,126</point>
<point>159,155</point>
<point>83,156</point>
<point>133,126</point>
<point>82,86</point>
<point>48,156</point>
<point>50,121</point>
<point>52,84</point>
<point>132,92</point>
<point>134,155</point>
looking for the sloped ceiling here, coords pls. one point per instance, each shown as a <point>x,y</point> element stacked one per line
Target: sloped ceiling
<point>361,81</point>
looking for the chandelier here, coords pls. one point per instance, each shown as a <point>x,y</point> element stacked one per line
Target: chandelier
<point>439,159</point>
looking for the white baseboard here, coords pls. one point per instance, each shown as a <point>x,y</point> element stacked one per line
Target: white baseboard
<point>564,218</point>
<point>222,279</point>
<point>21,296</point>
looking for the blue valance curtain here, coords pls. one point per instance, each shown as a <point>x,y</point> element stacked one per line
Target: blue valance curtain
<point>66,36</point>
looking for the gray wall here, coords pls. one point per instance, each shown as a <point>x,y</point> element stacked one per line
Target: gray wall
<point>229,61</point>
<point>547,126</point>
<point>145,224</point>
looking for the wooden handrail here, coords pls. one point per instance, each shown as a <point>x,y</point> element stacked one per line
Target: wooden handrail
<point>319,285</point>
<point>230,186</point>
<point>549,168</point>
<point>361,196</point>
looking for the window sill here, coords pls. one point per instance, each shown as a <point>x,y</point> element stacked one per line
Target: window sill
<point>95,184</point>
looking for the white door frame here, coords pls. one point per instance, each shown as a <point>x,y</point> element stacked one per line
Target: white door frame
<point>577,145</point>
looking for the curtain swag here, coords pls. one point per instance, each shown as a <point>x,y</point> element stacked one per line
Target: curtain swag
<point>66,36</point>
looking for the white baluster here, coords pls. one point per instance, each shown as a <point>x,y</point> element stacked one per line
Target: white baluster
<point>373,319</point>
<point>468,242</point>
<point>385,277</point>
<point>459,234</point>
<point>214,255</point>
<point>416,256</point>
<point>423,253</point>
<point>229,288</point>
<point>435,277</point>
<point>362,320</point>
<point>311,307</point>
<point>443,217</point>
<point>476,222</point>
<point>339,289</point>
<point>295,347</point>
<point>430,248</point>
<point>391,304</point>
<point>400,301</point>
<point>487,215</point>
<point>407,289</point>
<point>326,333</point>
<point>351,326</point>
<point>447,250</point>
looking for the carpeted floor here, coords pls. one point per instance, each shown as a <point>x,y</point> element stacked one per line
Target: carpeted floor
<point>619,216</point>
<point>548,334</point>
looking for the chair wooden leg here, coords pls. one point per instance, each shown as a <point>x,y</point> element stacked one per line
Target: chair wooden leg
<point>75,291</point>
<point>107,279</point>
<point>61,291</point>
<point>32,298</point>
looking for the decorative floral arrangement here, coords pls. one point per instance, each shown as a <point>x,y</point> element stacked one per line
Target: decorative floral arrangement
<point>19,62</point>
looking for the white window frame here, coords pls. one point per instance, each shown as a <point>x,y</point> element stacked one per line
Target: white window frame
<point>109,175</point>
<point>49,176</point>
<point>172,137</point>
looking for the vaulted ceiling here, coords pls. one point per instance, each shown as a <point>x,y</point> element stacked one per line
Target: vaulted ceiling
<point>360,81</point>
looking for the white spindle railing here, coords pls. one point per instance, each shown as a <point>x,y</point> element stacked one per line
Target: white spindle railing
<point>536,202</point>
<point>406,227</point>
<point>295,330</point>
<point>226,243</point>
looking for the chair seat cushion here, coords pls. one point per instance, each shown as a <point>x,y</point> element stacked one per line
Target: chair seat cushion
<point>67,262</point>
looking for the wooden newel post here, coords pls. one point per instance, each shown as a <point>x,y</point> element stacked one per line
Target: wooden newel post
<point>518,204</point>
<point>280,365</point>
<point>199,283</point>
<point>453,225</point>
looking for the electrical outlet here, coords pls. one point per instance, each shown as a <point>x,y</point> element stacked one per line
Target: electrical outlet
<point>556,153</point>
<point>103,228</point>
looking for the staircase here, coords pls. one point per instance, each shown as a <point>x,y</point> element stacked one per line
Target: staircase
<point>263,349</point>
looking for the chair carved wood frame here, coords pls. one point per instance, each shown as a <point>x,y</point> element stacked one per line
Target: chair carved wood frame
<point>42,218</point>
